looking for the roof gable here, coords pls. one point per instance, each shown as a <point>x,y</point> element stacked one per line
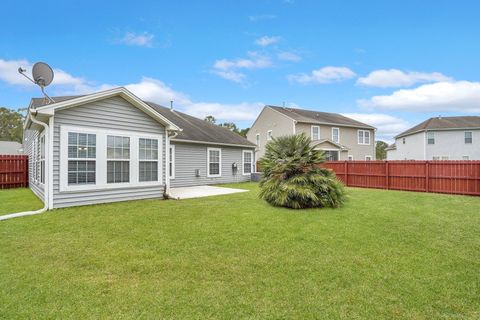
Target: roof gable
<point>73,101</point>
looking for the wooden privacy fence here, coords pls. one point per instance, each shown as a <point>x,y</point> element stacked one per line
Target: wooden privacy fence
<point>454,177</point>
<point>13,171</point>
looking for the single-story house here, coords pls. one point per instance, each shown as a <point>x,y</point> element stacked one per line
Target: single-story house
<point>112,146</point>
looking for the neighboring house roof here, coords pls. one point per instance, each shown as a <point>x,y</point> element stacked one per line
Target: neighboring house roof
<point>444,123</point>
<point>191,129</point>
<point>311,116</point>
<point>393,146</point>
<point>11,147</point>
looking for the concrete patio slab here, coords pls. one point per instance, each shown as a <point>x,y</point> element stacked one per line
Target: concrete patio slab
<point>201,191</point>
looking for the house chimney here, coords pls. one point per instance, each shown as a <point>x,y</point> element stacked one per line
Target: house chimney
<point>171,105</point>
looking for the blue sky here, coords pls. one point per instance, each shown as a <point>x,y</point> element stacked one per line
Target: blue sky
<point>388,63</point>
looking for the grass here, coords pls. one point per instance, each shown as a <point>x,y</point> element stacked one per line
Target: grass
<point>384,255</point>
<point>18,200</point>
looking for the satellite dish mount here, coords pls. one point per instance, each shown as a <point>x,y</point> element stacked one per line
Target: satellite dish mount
<point>42,75</point>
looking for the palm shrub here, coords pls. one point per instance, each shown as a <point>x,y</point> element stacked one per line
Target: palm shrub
<point>291,177</point>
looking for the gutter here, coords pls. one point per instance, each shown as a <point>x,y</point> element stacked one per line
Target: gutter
<point>47,177</point>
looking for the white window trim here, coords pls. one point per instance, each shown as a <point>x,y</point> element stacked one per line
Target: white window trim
<point>367,156</point>
<point>148,160</point>
<point>101,159</point>
<point>220,163</point>
<point>338,134</point>
<point>243,162</point>
<point>172,153</point>
<point>433,133</point>
<point>40,159</point>
<point>269,135</point>
<point>363,140</point>
<point>311,133</point>
<point>464,137</point>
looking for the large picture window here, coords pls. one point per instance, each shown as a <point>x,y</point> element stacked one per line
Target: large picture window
<point>118,159</point>
<point>247,162</point>
<point>214,162</point>
<point>148,156</point>
<point>82,150</point>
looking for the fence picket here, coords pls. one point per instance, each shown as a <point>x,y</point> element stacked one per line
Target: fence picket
<point>13,171</point>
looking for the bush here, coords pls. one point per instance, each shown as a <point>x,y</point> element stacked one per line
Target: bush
<point>291,177</point>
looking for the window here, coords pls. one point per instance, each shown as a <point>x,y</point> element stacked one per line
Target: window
<point>214,162</point>
<point>118,159</point>
<point>363,137</point>
<point>465,158</point>
<point>468,137</point>
<point>336,135</point>
<point>82,152</point>
<point>350,158</point>
<point>148,159</point>
<point>430,137</point>
<point>257,139</point>
<point>315,133</point>
<point>403,140</point>
<point>331,155</point>
<point>368,158</point>
<point>171,162</point>
<point>444,157</point>
<point>269,135</point>
<point>247,159</point>
<point>435,158</point>
<point>42,159</point>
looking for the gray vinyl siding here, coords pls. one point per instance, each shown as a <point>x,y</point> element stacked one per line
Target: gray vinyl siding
<point>30,138</point>
<point>190,156</point>
<point>115,114</point>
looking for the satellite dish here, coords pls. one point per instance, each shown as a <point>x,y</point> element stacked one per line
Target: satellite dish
<point>42,74</point>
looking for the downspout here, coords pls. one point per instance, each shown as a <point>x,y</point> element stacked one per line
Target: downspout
<point>47,176</point>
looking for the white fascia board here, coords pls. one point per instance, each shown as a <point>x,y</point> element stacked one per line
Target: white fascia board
<point>121,91</point>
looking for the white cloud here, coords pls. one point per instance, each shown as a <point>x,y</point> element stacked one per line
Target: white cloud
<point>323,75</point>
<point>260,17</point>
<point>387,126</point>
<point>398,78</point>
<point>459,96</point>
<point>229,69</point>
<point>266,40</point>
<point>135,39</point>
<point>289,56</point>
<point>154,90</point>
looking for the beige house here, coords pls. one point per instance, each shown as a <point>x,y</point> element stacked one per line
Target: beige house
<point>340,137</point>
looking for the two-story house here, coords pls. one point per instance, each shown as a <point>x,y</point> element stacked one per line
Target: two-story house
<point>440,138</point>
<point>340,137</point>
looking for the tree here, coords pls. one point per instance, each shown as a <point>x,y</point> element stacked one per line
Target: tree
<point>230,125</point>
<point>380,152</point>
<point>210,119</point>
<point>11,125</point>
<point>243,132</point>
<point>291,176</point>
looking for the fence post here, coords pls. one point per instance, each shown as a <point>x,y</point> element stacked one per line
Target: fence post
<point>427,174</point>
<point>387,173</point>
<point>346,172</point>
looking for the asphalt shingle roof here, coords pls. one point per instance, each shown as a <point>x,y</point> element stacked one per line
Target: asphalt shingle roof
<point>193,129</point>
<point>463,122</point>
<point>311,116</point>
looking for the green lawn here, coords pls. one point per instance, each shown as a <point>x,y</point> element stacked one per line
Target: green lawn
<point>17,200</point>
<point>384,255</point>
